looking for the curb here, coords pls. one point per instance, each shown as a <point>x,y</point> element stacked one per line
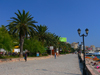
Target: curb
<point>22,59</point>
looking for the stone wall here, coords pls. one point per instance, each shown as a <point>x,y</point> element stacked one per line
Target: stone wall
<point>90,69</point>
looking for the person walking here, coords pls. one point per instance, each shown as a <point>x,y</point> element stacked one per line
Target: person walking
<point>55,52</point>
<point>55,55</point>
<point>25,57</point>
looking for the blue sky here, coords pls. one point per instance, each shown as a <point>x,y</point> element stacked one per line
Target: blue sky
<point>62,17</point>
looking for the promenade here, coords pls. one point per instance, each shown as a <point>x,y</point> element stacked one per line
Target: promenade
<point>62,65</point>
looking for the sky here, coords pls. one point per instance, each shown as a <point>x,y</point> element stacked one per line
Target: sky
<point>62,17</point>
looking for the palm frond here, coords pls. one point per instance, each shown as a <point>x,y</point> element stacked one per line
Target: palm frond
<point>19,12</point>
<point>15,19</point>
<point>22,24</point>
<point>18,16</point>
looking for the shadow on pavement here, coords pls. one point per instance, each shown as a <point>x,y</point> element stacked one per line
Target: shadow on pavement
<point>80,65</point>
<point>72,74</point>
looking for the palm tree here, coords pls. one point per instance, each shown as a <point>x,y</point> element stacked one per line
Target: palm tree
<point>52,39</point>
<point>23,26</point>
<point>41,33</point>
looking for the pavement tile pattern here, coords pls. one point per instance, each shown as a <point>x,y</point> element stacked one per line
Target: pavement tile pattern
<point>62,65</point>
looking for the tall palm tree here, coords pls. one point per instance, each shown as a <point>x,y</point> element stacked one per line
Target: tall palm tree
<point>41,32</point>
<point>23,25</point>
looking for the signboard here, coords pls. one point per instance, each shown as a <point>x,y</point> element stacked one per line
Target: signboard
<point>16,46</point>
<point>63,39</point>
<point>51,47</point>
<point>17,50</point>
<point>89,48</point>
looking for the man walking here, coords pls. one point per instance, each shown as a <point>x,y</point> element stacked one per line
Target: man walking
<point>55,52</point>
<point>25,57</point>
<point>55,55</point>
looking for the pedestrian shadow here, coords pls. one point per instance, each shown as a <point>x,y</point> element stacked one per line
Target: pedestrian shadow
<point>63,73</point>
<point>22,61</point>
<point>72,74</point>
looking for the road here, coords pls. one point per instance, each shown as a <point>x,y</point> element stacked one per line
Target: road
<point>62,65</point>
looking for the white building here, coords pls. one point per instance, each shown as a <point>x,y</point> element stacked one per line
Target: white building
<point>93,47</point>
<point>74,45</point>
<point>97,48</point>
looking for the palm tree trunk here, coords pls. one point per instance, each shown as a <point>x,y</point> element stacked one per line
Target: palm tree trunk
<point>21,45</point>
<point>42,42</point>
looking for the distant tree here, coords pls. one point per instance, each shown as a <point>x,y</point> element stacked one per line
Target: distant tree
<point>52,39</point>
<point>65,47</point>
<point>6,42</point>
<point>33,46</point>
<point>22,26</point>
<point>72,50</point>
<point>69,47</point>
<point>41,33</point>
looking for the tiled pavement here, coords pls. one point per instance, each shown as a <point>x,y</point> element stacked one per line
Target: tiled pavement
<point>62,65</point>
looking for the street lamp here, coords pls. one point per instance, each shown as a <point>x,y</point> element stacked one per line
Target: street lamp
<point>79,31</point>
<point>79,51</point>
<point>81,47</point>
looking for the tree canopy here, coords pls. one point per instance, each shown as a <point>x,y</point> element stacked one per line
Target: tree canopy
<point>25,33</point>
<point>6,42</point>
<point>33,46</point>
<point>22,25</point>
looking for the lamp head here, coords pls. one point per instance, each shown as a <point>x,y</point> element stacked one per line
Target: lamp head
<point>86,30</point>
<point>79,31</point>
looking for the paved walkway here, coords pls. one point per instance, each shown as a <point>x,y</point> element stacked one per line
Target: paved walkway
<point>62,65</point>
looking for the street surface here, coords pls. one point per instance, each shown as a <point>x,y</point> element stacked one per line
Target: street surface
<point>62,65</point>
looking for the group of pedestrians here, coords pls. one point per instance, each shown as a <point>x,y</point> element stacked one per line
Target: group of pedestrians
<point>25,56</point>
<point>56,55</point>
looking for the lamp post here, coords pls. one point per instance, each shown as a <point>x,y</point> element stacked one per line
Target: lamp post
<point>79,31</point>
<point>78,47</point>
<point>79,51</point>
<point>81,47</point>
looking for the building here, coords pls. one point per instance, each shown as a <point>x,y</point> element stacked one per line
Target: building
<point>89,48</point>
<point>97,48</point>
<point>16,49</point>
<point>86,47</point>
<point>74,45</point>
<point>93,47</point>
